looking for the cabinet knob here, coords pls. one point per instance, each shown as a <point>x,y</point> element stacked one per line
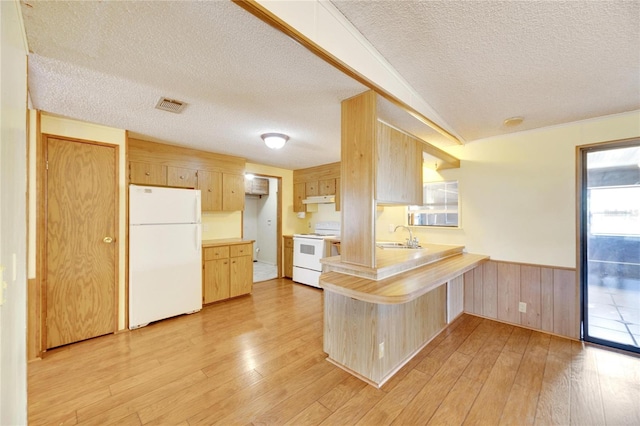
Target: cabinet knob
<point>147,174</point>
<point>107,240</point>
<point>181,177</point>
<point>225,262</point>
<point>209,190</point>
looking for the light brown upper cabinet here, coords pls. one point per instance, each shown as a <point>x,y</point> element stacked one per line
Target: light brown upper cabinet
<point>256,186</point>
<point>181,177</point>
<point>314,181</point>
<point>384,166</point>
<point>327,187</point>
<point>399,167</point>
<point>232,192</point>
<point>298,196</point>
<point>210,185</point>
<point>311,189</point>
<point>220,178</point>
<point>143,173</point>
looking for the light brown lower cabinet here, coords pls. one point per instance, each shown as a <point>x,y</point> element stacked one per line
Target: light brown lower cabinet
<point>228,272</point>
<point>288,256</point>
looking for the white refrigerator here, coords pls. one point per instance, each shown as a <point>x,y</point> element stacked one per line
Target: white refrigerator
<point>165,260</point>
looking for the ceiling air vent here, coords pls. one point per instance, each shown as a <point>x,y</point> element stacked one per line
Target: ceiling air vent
<point>170,105</point>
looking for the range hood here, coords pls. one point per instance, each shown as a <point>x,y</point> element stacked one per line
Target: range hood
<point>320,199</point>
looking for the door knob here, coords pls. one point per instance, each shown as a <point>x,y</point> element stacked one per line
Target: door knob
<point>107,240</point>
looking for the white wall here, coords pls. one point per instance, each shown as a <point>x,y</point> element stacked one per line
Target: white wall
<point>267,224</point>
<point>518,192</point>
<point>250,221</point>
<point>13,231</point>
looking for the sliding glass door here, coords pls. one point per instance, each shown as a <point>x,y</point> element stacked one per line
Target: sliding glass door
<point>610,244</point>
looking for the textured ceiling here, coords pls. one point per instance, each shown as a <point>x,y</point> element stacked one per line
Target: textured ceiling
<point>475,63</point>
<point>110,62</point>
<point>479,62</point>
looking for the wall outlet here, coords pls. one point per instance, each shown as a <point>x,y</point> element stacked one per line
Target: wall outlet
<point>522,307</point>
<point>381,350</point>
<point>391,227</point>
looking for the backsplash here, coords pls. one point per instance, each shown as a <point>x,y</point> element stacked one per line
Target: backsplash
<point>221,225</point>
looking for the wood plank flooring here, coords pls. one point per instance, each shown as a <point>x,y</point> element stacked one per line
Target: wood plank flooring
<point>258,360</point>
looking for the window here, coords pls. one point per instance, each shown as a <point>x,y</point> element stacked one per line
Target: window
<point>440,206</point>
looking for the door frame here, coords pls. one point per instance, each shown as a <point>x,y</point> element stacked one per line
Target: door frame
<point>581,230</point>
<point>40,317</point>
<point>279,247</point>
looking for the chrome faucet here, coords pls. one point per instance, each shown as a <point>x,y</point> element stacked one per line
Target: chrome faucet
<point>411,242</point>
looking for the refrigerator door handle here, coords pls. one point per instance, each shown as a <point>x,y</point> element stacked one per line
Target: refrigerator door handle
<point>198,239</point>
<point>197,210</point>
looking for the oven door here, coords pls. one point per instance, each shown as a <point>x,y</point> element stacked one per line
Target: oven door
<point>307,253</point>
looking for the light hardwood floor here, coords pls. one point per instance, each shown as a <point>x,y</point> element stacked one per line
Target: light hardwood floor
<point>258,360</point>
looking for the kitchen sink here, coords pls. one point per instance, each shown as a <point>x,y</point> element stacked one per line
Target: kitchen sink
<point>395,245</point>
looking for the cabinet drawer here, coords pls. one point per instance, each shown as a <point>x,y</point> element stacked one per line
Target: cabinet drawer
<point>241,250</point>
<point>288,242</point>
<point>211,253</point>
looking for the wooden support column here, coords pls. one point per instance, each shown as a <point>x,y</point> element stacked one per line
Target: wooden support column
<point>358,171</point>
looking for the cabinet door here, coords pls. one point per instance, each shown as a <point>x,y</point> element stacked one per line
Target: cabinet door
<point>260,186</point>
<point>210,186</point>
<point>147,173</point>
<point>241,280</point>
<point>182,178</point>
<point>232,192</point>
<point>216,280</point>
<point>311,188</point>
<point>399,171</point>
<point>337,194</point>
<point>327,187</point>
<point>298,196</point>
<point>288,257</point>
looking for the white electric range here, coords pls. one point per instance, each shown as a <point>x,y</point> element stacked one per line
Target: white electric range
<point>308,249</point>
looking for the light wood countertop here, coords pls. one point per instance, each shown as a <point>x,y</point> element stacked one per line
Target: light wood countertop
<point>392,261</point>
<point>225,242</point>
<point>403,287</point>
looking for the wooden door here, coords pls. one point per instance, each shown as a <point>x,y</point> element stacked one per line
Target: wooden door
<point>81,249</point>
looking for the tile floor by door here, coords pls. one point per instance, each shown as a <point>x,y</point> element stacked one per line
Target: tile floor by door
<point>264,271</point>
<point>614,312</point>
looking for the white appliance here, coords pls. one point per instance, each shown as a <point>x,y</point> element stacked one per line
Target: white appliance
<point>165,260</point>
<point>308,249</point>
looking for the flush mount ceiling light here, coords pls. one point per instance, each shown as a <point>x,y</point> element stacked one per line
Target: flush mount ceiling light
<point>274,140</point>
<point>513,121</point>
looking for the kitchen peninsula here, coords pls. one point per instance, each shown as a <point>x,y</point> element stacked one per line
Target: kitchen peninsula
<point>383,305</point>
<point>377,319</point>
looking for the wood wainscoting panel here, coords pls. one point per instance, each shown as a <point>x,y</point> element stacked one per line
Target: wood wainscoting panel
<point>550,294</point>
<point>508,292</point>
<point>455,298</point>
<point>565,308</point>
<point>546,299</point>
<point>489,289</point>
<point>530,294</point>
<point>478,295</point>
<point>469,298</point>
